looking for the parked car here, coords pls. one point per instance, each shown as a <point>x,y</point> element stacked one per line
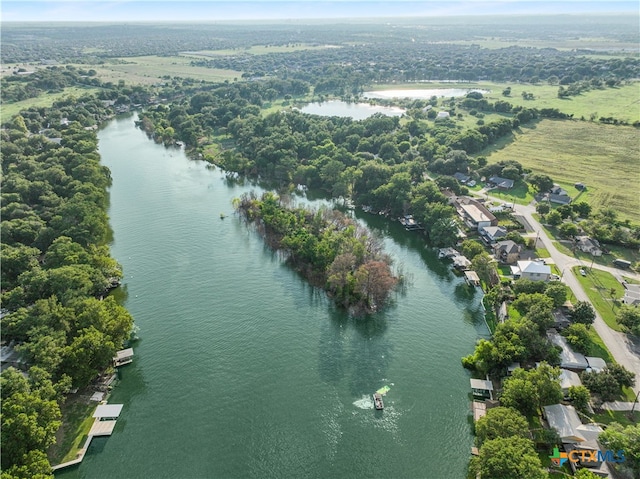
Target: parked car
<point>583,272</point>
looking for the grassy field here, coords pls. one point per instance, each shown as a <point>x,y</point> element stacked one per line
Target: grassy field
<point>148,70</point>
<point>601,156</point>
<point>71,436</point>
<point>598,285</point>
<point>621,102</point>
<point>7,110</point>
<point>622,417</point>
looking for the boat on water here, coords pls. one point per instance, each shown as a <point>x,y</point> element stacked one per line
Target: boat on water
<point>377,401</point>
<point>222,216</point>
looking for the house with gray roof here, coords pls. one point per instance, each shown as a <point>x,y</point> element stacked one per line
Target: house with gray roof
<point>588,245</point>
<point>506,251</point>
<point>501,183</point>
<point>532,270</point>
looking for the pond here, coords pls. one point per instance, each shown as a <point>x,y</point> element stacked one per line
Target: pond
<point>357,111</point>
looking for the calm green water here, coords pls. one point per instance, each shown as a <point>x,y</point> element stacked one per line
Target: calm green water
<point>244,371</point>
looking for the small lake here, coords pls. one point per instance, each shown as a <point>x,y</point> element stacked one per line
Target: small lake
<point>357,111</point>
<point>421,94</point>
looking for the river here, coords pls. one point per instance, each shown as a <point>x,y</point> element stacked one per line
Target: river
<point>245,371</point>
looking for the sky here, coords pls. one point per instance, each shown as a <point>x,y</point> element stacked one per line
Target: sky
<point>221,10</point>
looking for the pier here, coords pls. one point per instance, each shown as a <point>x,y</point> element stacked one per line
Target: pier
<point>105,421</point>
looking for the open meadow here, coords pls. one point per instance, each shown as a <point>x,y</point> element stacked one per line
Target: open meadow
<point>147,70</point>
<point>7,110</point>
<point>604,157</point>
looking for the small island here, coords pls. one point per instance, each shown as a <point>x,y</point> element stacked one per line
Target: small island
<point>331,250</point>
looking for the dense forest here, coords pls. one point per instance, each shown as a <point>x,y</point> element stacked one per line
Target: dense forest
<point>56,271</point>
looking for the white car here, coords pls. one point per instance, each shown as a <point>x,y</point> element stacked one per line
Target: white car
<point>583,272</point>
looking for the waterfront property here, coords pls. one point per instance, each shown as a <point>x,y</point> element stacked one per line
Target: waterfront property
<point>576,436</point>
<point>506,251</point>
<point>569,359</point>
<point>122,357</point>
<point>482,388</point>
<point>568,379</point>
<point>105,416</point>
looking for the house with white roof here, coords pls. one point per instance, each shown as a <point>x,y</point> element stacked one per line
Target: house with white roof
<point>532,270</point>
<point>569,359</point>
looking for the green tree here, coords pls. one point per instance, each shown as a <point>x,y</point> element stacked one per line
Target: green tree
<point>554,218</point>
<point>471,249</point>
<point>30,417</point>
<point>543,208</point>
<point>528,391</point>
<point>583,313</point>
<point>557,292</point>
<point>578,337</point>
<point>620,438</point>
<point>541,183</point>
<point>629,317</point>
<point>501,422</point>
<point>524,302</point>
<point>580,397</point>
<point>508,458</point>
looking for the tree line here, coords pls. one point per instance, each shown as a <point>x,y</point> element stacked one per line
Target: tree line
<point>56,270</point>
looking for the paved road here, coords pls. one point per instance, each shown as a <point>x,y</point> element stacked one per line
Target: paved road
<point>623,350</point>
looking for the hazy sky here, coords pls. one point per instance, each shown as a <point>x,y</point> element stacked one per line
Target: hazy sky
<point>214,10</point>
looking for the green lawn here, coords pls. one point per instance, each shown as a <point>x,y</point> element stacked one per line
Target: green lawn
<point>572,151</point>
<point>77,421</point>
<point>622,417</point>
<point>520,194</point>
<point>598,285</point>
<point>7,110</point>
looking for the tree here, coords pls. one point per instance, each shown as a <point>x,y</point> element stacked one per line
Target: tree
<point>541,183</point>
<point>30,417</point>
<point>619,438</point>
<point>568,230</point>
<point>528,391</point>
<point>508,458</point>
<point>543,208</point>
<point>623,376</point>
<point>484,265</point>
<point>471,249</point>
<point>602,383</point>
<point>578,337</point>
<point>501,422</point>
<point>374,282</point>
<point>554,218</point>
<point>557,292</point>
<point>580,397</point>
<point>524,302</point>
<point>583,313</point>
<point>629,317</point>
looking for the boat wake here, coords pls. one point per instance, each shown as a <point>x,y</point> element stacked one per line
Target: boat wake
<point>365,403</point>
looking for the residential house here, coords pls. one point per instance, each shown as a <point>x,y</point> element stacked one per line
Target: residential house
<point>506,251</point>
<point>461,177</point>
<point>588,245</point>
<point>533,270</point>
<point>631,294</point>
<point>576,436</point>
<point>491,234</point>
<point>596,364</point>
<point>569,359</point>
<point>474,214</point>
<point>558,199</point>
<point>568,379</point>
<point>557,190</point>
<point>501,183</point>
